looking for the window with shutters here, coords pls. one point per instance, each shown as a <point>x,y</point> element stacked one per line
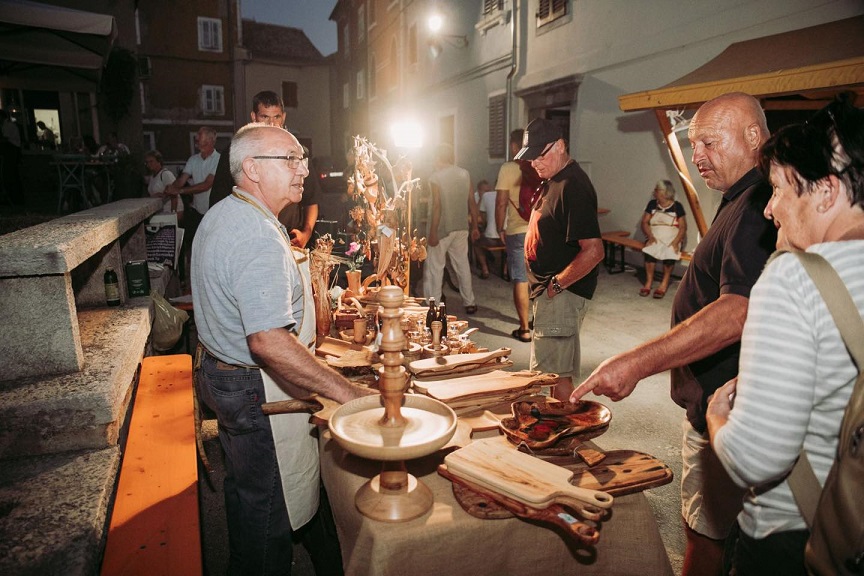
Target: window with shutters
<point>361,84</point>
<point>492,6</point>
<point>550,10</point>
<point>209,34</point>
<point>213,100</point>
<point>289,94</point>
<point>497,126</point>
<point>361,23</point>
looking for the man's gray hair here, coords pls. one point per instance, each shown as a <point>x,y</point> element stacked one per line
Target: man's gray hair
<point>247,142</point>
<point>209,132</point>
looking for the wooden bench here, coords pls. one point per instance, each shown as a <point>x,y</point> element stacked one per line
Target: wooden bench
<point>614,244</point>
<point>155,523</point>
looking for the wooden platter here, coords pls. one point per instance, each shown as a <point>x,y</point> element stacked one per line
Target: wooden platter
<point>541,424</point>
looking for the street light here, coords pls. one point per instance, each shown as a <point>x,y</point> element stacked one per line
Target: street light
<point>435,23</point>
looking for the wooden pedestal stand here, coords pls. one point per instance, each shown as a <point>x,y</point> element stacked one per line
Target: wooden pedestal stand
<point>408,427</point>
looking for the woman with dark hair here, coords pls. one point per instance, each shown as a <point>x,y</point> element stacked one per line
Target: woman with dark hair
<point>795,376</point>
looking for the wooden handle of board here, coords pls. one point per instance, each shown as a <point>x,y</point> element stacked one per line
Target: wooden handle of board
<point>291,407</point>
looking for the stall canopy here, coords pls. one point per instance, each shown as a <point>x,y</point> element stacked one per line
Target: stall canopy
<point>45,46</point>
<point>798,70</point>
<point>788,70</point>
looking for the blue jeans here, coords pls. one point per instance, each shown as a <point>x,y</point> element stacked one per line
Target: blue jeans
<point>259,531</point>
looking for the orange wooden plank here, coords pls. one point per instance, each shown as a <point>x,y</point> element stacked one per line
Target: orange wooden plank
<point>155,526</point>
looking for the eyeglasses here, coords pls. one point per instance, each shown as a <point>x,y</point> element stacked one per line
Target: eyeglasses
<point>293,161</point>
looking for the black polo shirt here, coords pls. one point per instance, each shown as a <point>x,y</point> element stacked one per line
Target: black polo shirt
<point>565,214</point>
<point>728,260</point>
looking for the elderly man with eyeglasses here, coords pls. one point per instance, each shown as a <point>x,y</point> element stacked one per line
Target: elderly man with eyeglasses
<point>563,251</point>
<point>256,326</point>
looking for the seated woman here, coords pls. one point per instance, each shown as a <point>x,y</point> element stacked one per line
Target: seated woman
<point>160,178</point>
<point>665,230</point>
<point>795,375</point>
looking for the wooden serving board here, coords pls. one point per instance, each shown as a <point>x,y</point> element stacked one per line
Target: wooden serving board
<point>328,346</point>
<point>497,383</point>
<point>478,499</point>
<point>444,366</point>
<point>496,465</point>
<point>623,472</point>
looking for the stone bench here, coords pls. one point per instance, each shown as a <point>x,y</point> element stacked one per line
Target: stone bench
<point>50,270</point>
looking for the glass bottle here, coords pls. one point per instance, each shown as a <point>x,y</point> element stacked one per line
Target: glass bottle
<point>112,287</point>
<point>431,314</point>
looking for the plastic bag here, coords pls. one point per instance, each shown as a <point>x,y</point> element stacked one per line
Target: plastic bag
<point>167,324</point>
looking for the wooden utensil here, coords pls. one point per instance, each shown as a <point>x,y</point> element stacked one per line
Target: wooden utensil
<point>496,465</point>
<point>553,514</point>
<point>319,407</point>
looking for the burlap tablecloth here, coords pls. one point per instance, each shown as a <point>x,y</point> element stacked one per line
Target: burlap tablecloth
<point>447,541</point>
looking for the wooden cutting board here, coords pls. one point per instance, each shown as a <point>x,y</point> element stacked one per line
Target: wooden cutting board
<point>480,503</point>
<point>496,465</point>
<point>444,366</point>
<point>623,472</point>
<point>497,383</point>
<point>542,424</point>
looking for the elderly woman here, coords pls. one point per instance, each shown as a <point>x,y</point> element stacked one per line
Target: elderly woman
<point>665,229</point>
<point>160,178</point>
<point>795,376</point>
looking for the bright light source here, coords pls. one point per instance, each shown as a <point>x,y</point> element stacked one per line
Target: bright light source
<point>406,134</point>
<point>435,23</point>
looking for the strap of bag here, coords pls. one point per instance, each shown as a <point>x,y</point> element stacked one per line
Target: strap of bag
<point>802,480</point>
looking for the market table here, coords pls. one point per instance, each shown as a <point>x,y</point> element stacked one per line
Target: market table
<point>447,540</point>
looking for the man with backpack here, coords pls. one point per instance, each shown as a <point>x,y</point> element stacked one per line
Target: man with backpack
<point>517,181</point>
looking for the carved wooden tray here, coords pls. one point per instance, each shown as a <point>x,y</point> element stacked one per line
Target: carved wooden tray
<point>539,425</point>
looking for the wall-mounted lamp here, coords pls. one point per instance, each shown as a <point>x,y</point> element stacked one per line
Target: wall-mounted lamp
<point>435,23</point>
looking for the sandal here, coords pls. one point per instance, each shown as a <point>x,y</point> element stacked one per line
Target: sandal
<point>658,293</point>
<point>521,335</point>
<point>484,275</point>
<point>644,291</point>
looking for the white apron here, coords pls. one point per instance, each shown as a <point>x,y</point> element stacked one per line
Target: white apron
<point>293,435</point>
<point>664,231</point>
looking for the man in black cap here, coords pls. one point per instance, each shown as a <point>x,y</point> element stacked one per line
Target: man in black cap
<point>563,251</point>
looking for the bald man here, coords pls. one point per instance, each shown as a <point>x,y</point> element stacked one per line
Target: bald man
<point>708,316</point>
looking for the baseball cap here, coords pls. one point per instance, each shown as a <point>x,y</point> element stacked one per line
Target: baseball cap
<point>539,134</point>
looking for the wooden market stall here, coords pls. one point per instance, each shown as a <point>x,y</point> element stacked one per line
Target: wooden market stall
<point>798,70</point>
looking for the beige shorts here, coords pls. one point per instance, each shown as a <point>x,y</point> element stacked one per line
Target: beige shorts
<point>555,345</point>
<point>710,501</point>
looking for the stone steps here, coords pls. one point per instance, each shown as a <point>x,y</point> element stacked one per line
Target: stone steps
<point>68,370</point>
<point>83,410</point>
<point>53,510</point>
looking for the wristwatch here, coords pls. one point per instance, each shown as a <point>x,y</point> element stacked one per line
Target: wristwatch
<point>556,287</point>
